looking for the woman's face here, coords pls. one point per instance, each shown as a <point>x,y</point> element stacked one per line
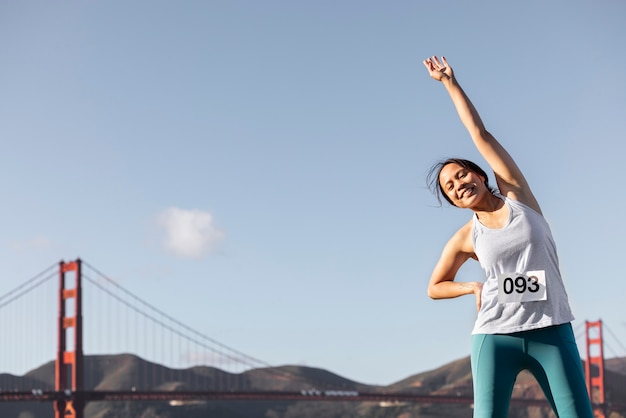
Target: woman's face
<point>462,186</point>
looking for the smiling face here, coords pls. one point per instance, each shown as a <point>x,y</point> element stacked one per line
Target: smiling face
<point>462,186</point>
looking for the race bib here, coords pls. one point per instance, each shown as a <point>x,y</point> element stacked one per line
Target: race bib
<point>522,287</point>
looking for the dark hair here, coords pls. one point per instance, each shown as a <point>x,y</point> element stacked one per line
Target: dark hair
<point>432,179</point>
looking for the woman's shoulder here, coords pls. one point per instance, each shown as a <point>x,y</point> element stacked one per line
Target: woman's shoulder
<point>462,238</point>
<point>527,199</point>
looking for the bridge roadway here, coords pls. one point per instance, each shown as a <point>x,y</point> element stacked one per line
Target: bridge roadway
<point>302,396</point>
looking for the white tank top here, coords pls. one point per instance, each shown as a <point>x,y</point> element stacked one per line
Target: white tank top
<point>515,258</point>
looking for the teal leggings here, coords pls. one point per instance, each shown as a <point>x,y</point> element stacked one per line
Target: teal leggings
<point>550,354</point>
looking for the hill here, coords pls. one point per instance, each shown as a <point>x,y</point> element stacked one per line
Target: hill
<point>129,372</point>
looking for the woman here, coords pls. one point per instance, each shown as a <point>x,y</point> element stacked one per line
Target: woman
<point>524,316</point>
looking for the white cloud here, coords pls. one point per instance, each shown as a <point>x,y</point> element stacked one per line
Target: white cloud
<point>189,233</point>
<point>32,243</point>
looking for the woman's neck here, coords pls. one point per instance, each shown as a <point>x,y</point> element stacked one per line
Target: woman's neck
<point>492,212</point>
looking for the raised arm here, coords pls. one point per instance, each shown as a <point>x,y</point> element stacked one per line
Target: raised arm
<point>511,182</point>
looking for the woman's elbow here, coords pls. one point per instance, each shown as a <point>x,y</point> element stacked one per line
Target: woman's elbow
<point>432,293</point>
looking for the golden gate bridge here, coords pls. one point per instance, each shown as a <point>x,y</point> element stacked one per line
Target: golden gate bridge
<point>214,368</point>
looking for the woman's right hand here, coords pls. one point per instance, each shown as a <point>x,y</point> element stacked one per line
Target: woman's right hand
<point>478,292</point>
<point>438,69</point>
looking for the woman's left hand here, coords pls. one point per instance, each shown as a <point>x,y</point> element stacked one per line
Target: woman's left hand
<point>438,69</point>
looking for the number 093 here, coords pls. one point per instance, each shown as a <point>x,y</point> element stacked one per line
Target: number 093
<point>520,284</point>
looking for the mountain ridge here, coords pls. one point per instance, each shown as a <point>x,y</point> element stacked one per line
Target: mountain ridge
<point>128,372</point>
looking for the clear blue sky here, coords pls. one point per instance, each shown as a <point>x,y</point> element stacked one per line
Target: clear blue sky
<point>256,168</point>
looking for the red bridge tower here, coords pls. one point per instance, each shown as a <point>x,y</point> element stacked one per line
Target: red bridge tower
<point>68,376</point>
<point>594,367</point>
